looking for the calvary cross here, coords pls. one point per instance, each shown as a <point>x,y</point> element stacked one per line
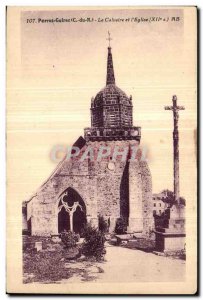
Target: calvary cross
<point>175,108</point>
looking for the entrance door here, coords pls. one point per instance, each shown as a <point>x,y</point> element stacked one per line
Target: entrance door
<point>79,216</point>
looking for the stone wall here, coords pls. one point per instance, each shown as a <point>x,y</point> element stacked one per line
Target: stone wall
<point>44,207</point>
<point>124,190</point>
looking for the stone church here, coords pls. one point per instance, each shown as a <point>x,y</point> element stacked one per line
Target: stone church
<point>81,191</point>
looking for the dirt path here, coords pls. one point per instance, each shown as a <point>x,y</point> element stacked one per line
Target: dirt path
<point>127,265</point>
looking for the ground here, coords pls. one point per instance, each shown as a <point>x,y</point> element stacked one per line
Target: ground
<point>121,265</point>
<point>127,265</point>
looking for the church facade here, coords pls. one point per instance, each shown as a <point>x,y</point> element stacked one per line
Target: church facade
<point>114,185</point>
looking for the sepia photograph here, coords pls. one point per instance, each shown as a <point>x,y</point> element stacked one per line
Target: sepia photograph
<point>102,150</point>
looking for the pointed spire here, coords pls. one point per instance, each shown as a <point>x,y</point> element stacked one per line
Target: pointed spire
<point>110,79</point>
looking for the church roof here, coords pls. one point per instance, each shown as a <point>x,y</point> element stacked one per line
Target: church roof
<point>110,91</point>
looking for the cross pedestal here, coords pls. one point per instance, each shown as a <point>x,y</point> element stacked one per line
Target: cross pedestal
<point>172,237</point>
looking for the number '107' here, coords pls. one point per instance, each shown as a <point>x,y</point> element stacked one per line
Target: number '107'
<point>30,20</point>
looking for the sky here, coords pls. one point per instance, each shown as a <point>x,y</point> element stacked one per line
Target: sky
<point>55,68</point>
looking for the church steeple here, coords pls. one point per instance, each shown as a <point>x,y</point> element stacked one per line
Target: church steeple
<point>110,78</point>
<point>111,111</point>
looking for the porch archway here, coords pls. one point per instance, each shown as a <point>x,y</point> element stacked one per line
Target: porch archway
<point>71,211</point>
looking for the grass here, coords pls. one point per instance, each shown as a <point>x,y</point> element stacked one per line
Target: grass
<point>44,266</point>
<point>50,265</point>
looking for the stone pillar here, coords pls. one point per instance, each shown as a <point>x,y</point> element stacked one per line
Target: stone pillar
<point>148,219</point>
<point>71,220</point>
<point>135,198</point>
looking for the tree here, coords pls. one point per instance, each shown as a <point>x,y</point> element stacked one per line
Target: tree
<point>169,198</point>
<point>93,245</point>
<point>182,201</point>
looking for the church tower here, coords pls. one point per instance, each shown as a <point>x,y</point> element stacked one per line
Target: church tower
<point>112,112</point>
<point>124,188</point>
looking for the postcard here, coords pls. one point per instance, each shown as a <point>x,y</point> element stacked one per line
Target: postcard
<point>102,150</point>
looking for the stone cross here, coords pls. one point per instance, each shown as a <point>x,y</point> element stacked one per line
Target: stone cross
<point>109,39</point>
<point>69,209</point>
<point>175,108</point>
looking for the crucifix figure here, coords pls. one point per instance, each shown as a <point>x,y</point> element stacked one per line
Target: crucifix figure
<point>109,39</point>
<point>69,209</point>
<point>175,108</point>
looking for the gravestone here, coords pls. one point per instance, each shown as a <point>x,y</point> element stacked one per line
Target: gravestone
<point>38,246</point>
